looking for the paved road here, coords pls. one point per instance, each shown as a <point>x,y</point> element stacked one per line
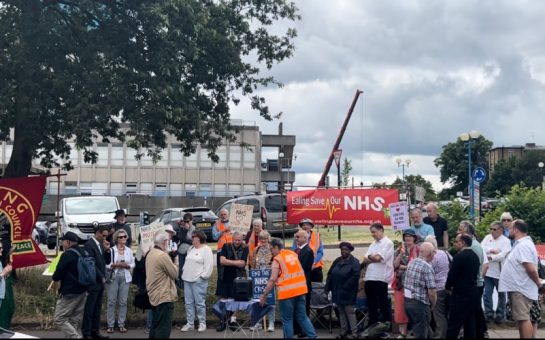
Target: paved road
<point>509,333</point>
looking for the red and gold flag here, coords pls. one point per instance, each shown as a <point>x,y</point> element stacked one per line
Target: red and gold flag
<point>20,204</point>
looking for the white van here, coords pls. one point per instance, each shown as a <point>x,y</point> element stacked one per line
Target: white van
<point>82,214</point>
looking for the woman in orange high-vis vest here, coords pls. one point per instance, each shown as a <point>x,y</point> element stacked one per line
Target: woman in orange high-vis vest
<point>253,241</point>
<point>315,243</point>
<point>289,278</point>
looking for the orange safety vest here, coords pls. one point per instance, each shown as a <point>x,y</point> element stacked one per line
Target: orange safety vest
<point>314,244</point>
<point>291,279</point>
<point>251,247</point>
<point>226,237</point>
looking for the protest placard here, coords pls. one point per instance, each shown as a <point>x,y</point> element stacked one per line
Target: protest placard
<point>399,215</point>
<point>260,277</point>
<point>147,233</point>
<point>52,266</point>
<point>240,217</point>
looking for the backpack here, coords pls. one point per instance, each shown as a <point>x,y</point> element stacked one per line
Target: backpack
<point>87,272</point>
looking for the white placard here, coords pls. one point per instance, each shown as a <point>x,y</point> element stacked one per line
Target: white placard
<point>399,215</point>
<point>419,193</point>
<point>147,234</point>
<point>240,217</point>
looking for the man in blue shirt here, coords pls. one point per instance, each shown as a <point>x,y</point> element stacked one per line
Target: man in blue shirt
<point>421,229</point>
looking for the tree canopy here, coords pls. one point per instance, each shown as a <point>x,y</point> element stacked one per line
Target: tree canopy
<point>134,70</point>
<point>453,162</point>
<point>416,180</point>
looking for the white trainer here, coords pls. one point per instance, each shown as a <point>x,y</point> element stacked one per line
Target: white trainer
<point>256,327</point>
<point>270,328</point>
<point>202,327</point>
<point>187,327</point>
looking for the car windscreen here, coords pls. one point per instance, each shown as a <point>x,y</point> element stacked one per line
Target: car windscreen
<point>274,203</point>
<point>91,206</point>
<point>202,213</point>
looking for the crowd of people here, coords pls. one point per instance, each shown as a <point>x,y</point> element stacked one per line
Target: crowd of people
<point>434,293</point>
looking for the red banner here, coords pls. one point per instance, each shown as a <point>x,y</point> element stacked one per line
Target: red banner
<point>20,204</point>
<point>540,251</point>
<point>341,206</point>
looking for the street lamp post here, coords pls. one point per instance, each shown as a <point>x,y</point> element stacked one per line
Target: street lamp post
<point>281,190</point>
<point>469,139</point>
<point>540,166</point>
<point>403,164</point>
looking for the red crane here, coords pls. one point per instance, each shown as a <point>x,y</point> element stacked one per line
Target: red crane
<point>321,183</point>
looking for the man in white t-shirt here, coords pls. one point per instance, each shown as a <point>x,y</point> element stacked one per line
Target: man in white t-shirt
<point>380,271</point>
<point>496,247</point>
<point>519,277</point>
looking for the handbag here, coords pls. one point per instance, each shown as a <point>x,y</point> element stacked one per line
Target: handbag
<point>141,300</point>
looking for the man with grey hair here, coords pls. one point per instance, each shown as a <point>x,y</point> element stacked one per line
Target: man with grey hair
<point>233,259</point>
<point>306,258</point>
<point>439,225</point>
<point>419,291</point>
<point>422,229</point>
<point>161,274</point>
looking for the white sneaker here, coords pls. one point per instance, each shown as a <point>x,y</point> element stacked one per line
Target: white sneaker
<point>256,327</point>
<point>270,328</point>
<point>187,327</point>
<point>202,327</point>
<point>233,319</point>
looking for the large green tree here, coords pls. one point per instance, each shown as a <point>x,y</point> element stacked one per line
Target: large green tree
<point>134,70</point>
<point>453,162</point>
<point>508,172</point>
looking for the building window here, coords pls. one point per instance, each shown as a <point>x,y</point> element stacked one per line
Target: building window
<point>176,189</point>
<point>205,161</point>
<point>117,155</point>
<point>131,160</point>
<point>102,157</point>
<point>190,189</point>
<point>70,188</point>
<point>116,189</point>
<point>222,154</point>
<point>191,161</point>
<point>205,190</point>
<point>234,189</point>
<point>176,156</point>
<point>163,162</point>
<point>146,188</point>
<point>146,160</point>
<point>86,188</point>
<point>248,189</point>
<point>234,157</point>
<point>131,188</point>
<point>510,153</point>
<point>52,188</point>
<point>9,150</point>
<point>74,153</point>
<point>249,159</point>
<point>220,190</point>
<point>160,189</point>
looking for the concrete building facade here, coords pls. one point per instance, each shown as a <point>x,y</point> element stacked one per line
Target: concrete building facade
<point>239,171</point>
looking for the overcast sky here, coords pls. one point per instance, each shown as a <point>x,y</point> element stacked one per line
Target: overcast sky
<point>430,70</point>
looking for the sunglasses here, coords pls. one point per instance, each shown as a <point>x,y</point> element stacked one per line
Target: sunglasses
<point>506,220</point>
<point>121,237</point>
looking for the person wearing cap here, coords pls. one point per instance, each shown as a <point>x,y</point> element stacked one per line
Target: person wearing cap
<point>315,243</point>
<point>120,223</point>
<point>185,230</point>
<point>342,281</point>
<point>72,295</point>
<point>117,287</point>
<point>408,250</point>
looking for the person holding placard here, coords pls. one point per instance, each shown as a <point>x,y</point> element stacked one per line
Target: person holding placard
<point>262,259</point>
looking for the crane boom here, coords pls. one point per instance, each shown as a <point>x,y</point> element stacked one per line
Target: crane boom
<point>321,183</point>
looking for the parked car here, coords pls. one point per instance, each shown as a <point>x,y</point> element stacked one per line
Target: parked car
<point>203,218</point>
<point>271,208</point>
<point>41,228</point>
<point>51,240</point>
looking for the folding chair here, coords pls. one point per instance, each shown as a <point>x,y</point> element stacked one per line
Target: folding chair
<point>362,314</point>
<point>320,306</point>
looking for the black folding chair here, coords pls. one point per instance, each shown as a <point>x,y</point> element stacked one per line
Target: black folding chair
<point>321,306</point>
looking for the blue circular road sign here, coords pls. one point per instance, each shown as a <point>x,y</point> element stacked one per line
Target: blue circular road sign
<point>479,175</point>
